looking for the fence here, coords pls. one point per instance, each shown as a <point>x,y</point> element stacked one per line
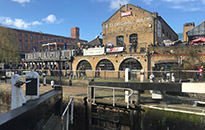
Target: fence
<point>66,113</point>
<point>135,75</point>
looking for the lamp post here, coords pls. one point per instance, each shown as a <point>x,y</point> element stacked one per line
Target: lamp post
<point>60,53</point>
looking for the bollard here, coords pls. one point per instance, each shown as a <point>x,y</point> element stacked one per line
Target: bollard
<point>17,94</point>
<point>52,83</point>
<point>142,76</point>
<point>127,75</point>
<point>44,79</point>
<point>127,78</point>
<point>70,82</point>
<point>127,96</point>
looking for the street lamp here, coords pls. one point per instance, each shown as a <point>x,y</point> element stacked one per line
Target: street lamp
<point>60,53</point>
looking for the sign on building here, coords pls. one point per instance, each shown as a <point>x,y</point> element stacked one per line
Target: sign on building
<point>128,13</point>
<point>115,49</point>
<point>94,51</point>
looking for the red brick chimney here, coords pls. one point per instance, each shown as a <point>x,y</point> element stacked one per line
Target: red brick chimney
<point>75,32</point>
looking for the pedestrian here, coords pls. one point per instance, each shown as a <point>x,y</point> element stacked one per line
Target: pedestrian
<point>44,78</point>
<point>172,77</point>
<point>98,72</point>
<point>201,72</point>
<point>151,78</point>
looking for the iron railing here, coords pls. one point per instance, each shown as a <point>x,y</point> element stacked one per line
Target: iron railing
<point>179,75</point>
<point>92,92</point>
<point>68,110</point>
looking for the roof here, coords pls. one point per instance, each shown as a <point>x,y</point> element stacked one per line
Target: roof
<point>95,42</point>
<point>198,30</point>
<point>40,33</point>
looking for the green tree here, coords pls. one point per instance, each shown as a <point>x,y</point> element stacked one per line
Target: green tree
<point>8,46</point>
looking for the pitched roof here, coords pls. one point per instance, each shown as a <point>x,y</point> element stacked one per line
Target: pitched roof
<point>198,30</point>
<point>95,42</point>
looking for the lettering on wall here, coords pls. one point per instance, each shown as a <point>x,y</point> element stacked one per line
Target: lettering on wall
<point>128,22</point>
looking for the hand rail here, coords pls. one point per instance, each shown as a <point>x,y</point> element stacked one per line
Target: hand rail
<point>71,102</point>
<point>113,88</point>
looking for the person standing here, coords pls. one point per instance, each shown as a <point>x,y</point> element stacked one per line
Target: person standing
<point>44,78</point>
<point>201,72</point>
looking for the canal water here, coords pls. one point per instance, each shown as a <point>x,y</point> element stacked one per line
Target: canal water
<point>105,117</point>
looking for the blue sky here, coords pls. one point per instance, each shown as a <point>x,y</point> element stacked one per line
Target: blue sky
<point>58,16</point>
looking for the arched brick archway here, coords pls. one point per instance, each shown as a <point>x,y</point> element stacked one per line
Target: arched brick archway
<point>105,64</point>
<point>130,63</point>
<point>84,63</point>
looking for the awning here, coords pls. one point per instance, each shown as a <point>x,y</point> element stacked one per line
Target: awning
<point>198,40</point>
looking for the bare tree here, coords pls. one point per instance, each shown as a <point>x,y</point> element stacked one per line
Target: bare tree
<point>8,46</point>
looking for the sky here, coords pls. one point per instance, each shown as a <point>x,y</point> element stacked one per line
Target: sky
<point>58,16</point>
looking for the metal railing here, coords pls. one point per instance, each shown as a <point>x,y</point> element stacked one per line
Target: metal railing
<point>168,76</point>
<point>113,93</point>
<point>68,110</point>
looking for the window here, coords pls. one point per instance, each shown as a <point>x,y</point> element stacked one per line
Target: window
<point>133,38</point>
<point>119,40</point>
<point>20,35</point>
<point>130,63</point>
<point>85,64</point>
<point>25,36</point>
<point>26,41</point>
<point>105,65</point>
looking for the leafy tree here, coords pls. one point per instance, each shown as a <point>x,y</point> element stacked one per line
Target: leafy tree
<point>8,46</point>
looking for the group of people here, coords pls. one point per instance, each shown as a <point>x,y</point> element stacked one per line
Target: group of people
<point>81,71</point>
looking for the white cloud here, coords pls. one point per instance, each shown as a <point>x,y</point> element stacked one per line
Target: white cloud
<point>19,23</point>
<point>115,4</point>
<point>36,23</point>
<point>22,1</point>
<point>184,5</point>
<point>50,19</point>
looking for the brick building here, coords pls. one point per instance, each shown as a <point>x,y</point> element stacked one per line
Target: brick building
<point>29,41</point>
<point>131,23</point>
<point>129,27</point>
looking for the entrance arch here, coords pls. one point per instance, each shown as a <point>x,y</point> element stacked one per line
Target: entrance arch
<point>105,64</point>
<point>130,63</point>
<point>84,63</point>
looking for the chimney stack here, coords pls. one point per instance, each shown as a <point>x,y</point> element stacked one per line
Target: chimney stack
<point>75,32</point>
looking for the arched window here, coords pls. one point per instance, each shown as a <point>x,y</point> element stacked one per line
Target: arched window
<point>119,40</point>
<point>130,63</point>
<point>84,63</point>
<point>105,65</point>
